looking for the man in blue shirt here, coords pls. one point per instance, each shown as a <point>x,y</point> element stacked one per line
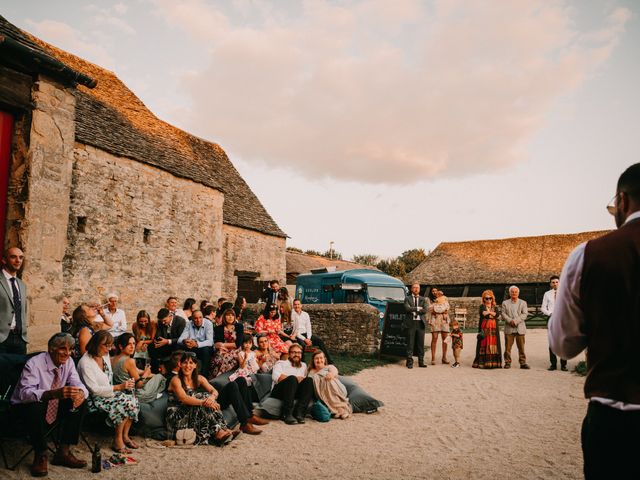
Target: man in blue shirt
<point>197,337</point>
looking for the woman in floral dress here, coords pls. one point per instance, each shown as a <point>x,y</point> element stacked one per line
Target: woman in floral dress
<point>269,323</point>
<point>116,401</point>
<point>192,404</point>
<point>228,340</point>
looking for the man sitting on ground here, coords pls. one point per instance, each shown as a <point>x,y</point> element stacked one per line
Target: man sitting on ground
<point>49,389</point>
<point>168,333</point>
<point>290,382</point>
<point>197,337</point>
<point>302,329</point>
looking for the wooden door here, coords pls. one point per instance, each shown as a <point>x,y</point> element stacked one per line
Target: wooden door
<point>6,134</point>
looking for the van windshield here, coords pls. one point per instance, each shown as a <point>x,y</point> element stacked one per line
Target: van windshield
<point>386,293</point>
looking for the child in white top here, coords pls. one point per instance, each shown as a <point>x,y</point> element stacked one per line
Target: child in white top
<point>247,361</point>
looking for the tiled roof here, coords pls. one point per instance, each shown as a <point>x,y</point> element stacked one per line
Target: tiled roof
<point>110,117</point>
<point>509,260</point>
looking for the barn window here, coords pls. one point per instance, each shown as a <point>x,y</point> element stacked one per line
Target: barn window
<point>81,224</point>
<point>146,235</point>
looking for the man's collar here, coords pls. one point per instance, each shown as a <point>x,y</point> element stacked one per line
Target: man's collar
<point>634,216</point>
<point>7,274</point>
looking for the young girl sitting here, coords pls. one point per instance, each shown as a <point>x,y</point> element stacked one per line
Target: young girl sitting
<point>456,343</point>
<point>248,363</point>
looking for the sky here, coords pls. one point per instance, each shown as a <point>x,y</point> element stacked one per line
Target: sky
<point>384,126</point>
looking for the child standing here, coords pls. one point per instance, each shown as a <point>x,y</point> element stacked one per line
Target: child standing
<point>456,343</point>
<point>248,363</point>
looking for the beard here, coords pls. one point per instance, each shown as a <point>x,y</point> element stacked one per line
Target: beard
<point>295,363</point>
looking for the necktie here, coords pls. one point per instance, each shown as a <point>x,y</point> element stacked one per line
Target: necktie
<point>555,295</point>
<point>52,406</point>
<point>17,306</point>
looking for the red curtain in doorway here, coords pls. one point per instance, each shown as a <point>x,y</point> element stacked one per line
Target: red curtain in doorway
<point>6,131</point>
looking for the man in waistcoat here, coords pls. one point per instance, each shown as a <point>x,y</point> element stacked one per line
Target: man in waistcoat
<point>598,308</point>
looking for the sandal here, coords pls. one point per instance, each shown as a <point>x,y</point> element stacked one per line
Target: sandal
<point>445,361</point>
<point>131,444</point>
<point>123,450</point>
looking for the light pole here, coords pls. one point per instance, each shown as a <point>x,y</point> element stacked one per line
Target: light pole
<point>331,250</point>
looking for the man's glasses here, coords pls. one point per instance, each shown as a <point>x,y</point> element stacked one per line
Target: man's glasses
<point>611,206</point>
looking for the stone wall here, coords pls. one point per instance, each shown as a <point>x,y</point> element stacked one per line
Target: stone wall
<point>345,328</point>
<point>142,232</point>
<point>39,201</point>
<point>472,304</point>
<point>250,251</point>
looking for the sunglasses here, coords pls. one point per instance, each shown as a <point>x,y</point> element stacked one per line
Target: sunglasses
<point>189,354</point>
<point>488,298</point>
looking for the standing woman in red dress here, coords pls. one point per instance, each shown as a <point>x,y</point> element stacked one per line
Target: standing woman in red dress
<point>488,349</point>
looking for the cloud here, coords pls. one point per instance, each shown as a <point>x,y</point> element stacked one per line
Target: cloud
<point>67,38</point>
<point>385,92</point>
<point>110,17</point>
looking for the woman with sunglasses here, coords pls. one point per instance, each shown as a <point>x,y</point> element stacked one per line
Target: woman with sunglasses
<point>488,349</point>
<point>193,404</point>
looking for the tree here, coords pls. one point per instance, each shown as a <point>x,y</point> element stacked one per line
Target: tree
<point>332,254</point>
<point>412,258</point>
<point>312,252</point>
<point>366,259</point>
<point>393,267</point>
<point>294,249</point>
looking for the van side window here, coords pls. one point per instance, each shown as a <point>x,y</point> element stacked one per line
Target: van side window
<point>355,297</point>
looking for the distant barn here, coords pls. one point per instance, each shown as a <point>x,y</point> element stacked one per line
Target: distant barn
<point>299,263</point>
<point>465,269</point>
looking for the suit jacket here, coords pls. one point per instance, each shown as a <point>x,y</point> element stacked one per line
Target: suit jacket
<point>514,312</point>
<point>422,310</point>
<point>7,309</point>
<point>267,296</point>
<point>173,333</point>
<point>218,334</point>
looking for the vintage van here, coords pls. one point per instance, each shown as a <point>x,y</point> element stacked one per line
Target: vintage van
<point>350,286</point>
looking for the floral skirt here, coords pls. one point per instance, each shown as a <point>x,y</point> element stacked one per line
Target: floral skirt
<point>223,362</point>
<point>118,408</point>
<point>205,421</point>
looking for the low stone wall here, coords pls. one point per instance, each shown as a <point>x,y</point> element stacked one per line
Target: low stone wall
<point>472,304</point>
<point>345,328</point>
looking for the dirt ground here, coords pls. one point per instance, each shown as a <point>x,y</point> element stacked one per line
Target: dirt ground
<point>437,423</point>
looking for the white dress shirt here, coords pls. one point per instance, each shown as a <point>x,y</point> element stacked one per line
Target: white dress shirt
<point>119,321</point>
<point>566,330</point>
<point>549,302</point>
<point>301,324</point>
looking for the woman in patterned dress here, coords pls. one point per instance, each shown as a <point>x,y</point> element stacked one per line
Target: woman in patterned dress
<point>269,323</point>
<point>192,404</point>
<point>116,401</point>
<point>228,340</point>
<point>488,350</point>
<point>144,331</point>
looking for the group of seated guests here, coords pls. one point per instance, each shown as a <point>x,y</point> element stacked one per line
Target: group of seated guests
<point>179,354</point>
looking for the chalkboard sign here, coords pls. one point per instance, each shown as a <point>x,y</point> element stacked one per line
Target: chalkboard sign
<point>394,336</point>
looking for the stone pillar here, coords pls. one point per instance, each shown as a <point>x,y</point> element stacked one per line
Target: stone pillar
<point>44,229</point>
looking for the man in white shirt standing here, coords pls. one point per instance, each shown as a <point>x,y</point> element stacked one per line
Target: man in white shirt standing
<point>548,303</point>
<point>598,308</point>
<point>290,383</point>
<point>514,313</point>
<point>116,315</point>
<point>302,329</point>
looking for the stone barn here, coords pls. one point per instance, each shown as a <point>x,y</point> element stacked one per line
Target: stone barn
<point>466,269</point>
<point>102,195</point>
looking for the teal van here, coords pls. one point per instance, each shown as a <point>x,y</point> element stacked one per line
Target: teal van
<point>350,286</point>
